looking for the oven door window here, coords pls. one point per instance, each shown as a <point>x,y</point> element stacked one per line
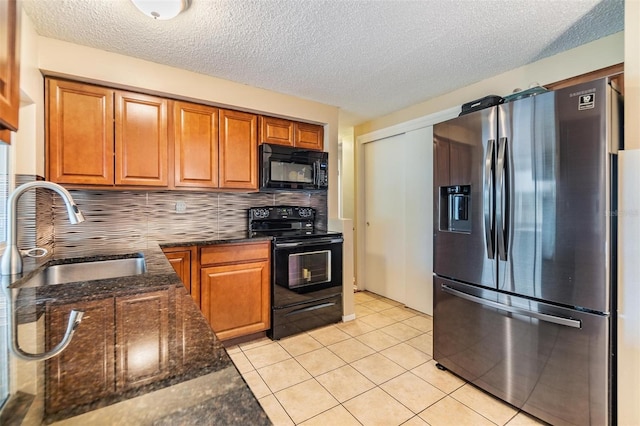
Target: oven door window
<point>309,268</point>
<point>303,271</point>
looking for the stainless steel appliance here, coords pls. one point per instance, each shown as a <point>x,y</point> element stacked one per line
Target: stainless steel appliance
<point>306,269</point>
<point>525,251</point>
<point>284,167</point>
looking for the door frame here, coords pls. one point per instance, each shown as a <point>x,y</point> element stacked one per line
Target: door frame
<point>360,214</point>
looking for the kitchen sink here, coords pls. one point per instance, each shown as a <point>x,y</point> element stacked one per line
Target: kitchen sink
<point>88,271</point>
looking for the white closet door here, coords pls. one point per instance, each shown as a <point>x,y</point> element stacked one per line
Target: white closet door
<point>384,250</point>
<point>418,184</point>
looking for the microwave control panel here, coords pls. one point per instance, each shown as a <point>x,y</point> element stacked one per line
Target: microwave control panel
<point>323,178</point>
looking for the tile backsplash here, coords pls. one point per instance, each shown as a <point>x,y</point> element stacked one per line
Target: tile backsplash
<point>130,220</point>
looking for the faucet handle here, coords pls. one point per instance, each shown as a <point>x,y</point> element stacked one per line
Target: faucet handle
<point>35,252</point>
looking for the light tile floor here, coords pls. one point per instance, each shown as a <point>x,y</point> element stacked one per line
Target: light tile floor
<point>375,370</point>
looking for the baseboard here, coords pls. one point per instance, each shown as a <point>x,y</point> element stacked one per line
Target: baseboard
<point>349,317</point>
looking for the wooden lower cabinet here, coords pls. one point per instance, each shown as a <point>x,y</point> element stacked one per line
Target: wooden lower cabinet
<point>235,288</point>
<point>142,340</point>
<point>85,370</point>
<point>185,262</point>
<point>113,348</point>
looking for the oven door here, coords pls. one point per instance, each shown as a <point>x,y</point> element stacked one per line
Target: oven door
<point>305,269</point>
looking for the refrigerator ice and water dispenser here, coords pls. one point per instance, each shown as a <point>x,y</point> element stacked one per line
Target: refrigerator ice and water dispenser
<point>457,202</point>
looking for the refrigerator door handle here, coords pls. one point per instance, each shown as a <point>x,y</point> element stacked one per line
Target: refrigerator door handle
<point>502,200</point>
<point>568,322</point>
<point>488,198</point>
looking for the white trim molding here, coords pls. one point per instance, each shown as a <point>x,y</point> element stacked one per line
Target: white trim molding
<point>397,129</point>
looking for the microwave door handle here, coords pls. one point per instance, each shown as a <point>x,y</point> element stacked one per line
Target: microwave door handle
<point>316,174</point>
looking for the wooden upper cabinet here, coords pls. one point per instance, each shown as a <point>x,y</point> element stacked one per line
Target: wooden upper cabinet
<point>279,131</point>
<point>196,145</point>
<point>97,136</point>
<point>276,131</point>
<point>9,65</point>
<point>80,133</point>
<point>309,136</point>
<point>141,140</point>
<point>238,150</point>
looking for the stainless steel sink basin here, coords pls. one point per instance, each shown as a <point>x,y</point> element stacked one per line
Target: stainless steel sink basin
<point>88,271</point>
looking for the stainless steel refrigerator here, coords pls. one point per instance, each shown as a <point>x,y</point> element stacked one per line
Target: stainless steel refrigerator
<point>525,251</point>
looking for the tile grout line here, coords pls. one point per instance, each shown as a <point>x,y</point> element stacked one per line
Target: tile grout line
<point>370,299</point>
<point>314,377</point>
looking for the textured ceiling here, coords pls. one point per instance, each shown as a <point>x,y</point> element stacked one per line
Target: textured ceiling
<point>368,57</point>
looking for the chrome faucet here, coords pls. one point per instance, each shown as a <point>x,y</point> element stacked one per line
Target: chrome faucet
<point>11,263</point>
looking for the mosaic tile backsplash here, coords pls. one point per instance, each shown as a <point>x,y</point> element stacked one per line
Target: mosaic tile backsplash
<point>130,220</point>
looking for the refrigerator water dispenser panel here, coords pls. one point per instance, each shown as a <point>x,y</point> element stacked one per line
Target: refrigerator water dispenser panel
<point>455,205</point>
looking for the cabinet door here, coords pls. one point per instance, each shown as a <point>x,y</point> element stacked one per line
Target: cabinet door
<point>238,150</point>
<point>236,298</point>
<point>141,140</point>
<point>142,339</point>
<point>309,136</point>
<point>184,260</point>
<point>80,136</point>
<point>196,145</point>
<point>9,64</point>
<point>276,131</point>
<point>84,371</point>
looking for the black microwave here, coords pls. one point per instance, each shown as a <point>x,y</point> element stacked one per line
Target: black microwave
<point>288,168</point>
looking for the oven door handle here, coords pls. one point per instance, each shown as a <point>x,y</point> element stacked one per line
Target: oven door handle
<point>309,243</point>
<point>311,308</point>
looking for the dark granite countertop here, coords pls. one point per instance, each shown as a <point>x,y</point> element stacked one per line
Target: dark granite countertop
<point>179,372</point>
<point>235,237</point>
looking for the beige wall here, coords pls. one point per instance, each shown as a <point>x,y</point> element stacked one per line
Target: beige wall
<point>59,58</point>
<point>29,156</point>
<point>347,176</point>
<point>629,229</point>
<point>592,56</point>
<point>632,74</point>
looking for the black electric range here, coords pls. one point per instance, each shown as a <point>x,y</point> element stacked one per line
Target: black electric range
<point>306,269</point>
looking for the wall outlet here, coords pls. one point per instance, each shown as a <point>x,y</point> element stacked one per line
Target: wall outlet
<point>181,207</point>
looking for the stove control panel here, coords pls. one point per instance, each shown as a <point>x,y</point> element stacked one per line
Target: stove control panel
<point>282,214</point>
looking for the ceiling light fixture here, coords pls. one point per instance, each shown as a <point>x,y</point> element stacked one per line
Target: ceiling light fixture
<point>162,9</point>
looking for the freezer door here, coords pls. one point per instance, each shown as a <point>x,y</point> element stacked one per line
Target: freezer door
<point>553,363</point>
<point>553,197</point>
<point>464,162</point>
